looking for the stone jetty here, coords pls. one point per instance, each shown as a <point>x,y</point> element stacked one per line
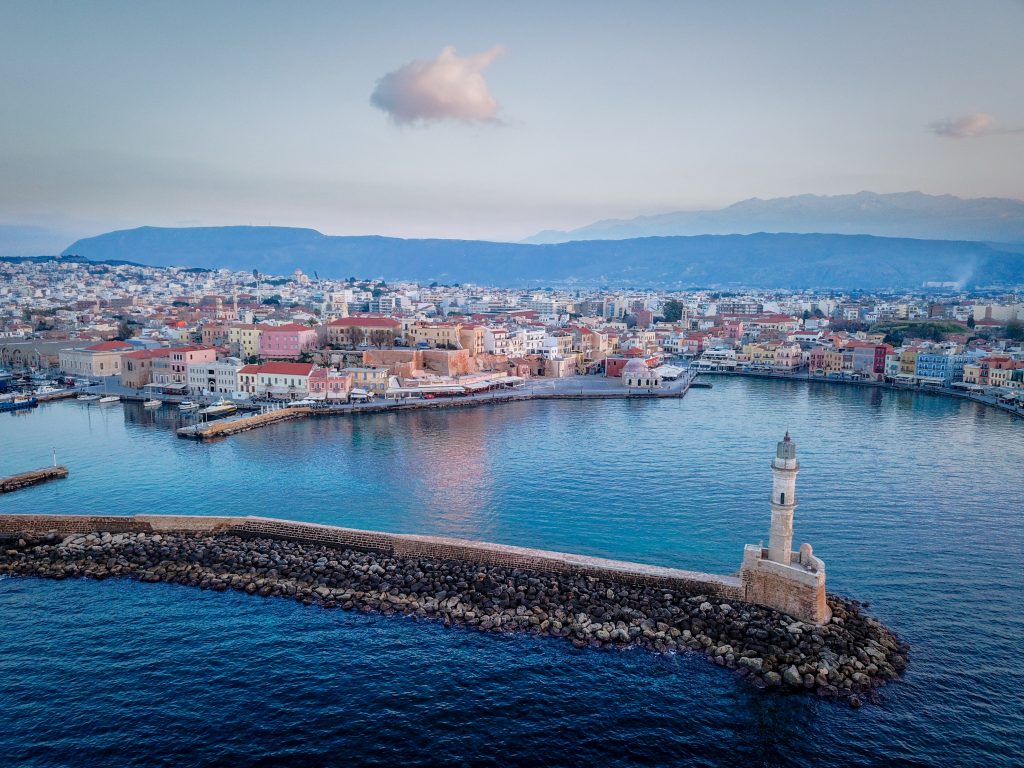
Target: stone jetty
<point>847,658</point>
<point>36,476</point>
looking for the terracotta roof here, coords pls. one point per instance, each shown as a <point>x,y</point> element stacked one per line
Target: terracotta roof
<point>365,322</point>
<point>109,346</point>
<point>147,354</point>
<point>287,328</point>
<point>286,369</point>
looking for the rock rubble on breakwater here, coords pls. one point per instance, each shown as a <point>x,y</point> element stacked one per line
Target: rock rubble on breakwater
<point>850,657</point>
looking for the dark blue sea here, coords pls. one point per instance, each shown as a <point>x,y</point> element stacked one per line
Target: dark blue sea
<point>916,503</point>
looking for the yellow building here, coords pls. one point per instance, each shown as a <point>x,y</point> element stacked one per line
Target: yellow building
<point>972,373</point>
<point>371,379</point>
<point>245,338</point>
<point>436,335</point>
<point>908,361</point>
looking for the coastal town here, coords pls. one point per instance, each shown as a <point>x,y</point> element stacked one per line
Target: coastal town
<point>216,341</point>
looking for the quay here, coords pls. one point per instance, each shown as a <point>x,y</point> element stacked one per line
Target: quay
<point>560,389</point>
<point>988,400</point>
<point>26,479</point>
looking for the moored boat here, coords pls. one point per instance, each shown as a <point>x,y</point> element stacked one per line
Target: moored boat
<point>18,403</point>
<point>88,397</point>
<point>153,403</point>
<point>219,409</point>
<point>110,399</point>
<point>188,405</point>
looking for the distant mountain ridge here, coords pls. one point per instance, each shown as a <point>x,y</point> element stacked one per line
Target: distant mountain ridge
<point>757,260</point>
<point>902,214</point>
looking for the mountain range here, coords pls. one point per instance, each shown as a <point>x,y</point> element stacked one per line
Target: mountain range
<point>903,214</point>
<point>714,261</point>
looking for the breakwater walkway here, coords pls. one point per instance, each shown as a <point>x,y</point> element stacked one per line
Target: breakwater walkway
<point>488,587</point>
<point>36,476</point>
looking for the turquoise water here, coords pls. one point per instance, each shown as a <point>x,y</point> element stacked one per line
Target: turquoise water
<point>915,503</point>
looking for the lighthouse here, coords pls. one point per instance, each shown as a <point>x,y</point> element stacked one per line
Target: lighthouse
<point>784,471</point>
<point>773,576</point>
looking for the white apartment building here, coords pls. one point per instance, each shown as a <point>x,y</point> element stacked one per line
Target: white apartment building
<point>216,378</point>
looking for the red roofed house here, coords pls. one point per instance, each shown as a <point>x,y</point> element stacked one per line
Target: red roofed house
<point>279,381</point>
<point>287,342</point>
<point>103,359</point>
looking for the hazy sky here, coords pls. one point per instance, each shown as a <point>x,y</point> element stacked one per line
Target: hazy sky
<point>490,120</point>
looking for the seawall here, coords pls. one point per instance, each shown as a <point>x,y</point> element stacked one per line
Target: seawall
<point>592,602</point>
<point>391,544</point>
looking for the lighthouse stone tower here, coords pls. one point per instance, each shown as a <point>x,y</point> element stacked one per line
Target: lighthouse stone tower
<point>792,582</point>
<point>784,471</point>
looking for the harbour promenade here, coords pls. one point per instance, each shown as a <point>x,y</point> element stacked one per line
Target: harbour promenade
<point>570,388</point>
<point>989,400</point>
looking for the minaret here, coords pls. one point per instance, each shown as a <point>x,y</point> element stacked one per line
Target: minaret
<point>784,471</point>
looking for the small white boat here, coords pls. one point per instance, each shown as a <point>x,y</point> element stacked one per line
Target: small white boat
<point>110,399</point>
<point>47,389</point>
<point>153,403</point>
<point>188,405</point>
<point>87,397</point>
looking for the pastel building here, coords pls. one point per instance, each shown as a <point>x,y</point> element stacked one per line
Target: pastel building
<point>287,342</point>
<point>103,359</point>
<point>281,381</point>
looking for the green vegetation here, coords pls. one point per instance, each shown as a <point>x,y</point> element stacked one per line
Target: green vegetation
<point>672,311</point>
<point>932,330</point>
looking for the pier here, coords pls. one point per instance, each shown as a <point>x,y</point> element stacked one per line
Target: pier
<point>35,477</point>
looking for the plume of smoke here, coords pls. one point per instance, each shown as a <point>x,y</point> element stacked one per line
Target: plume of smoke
<point>969,127</point>
<point>448,87</point>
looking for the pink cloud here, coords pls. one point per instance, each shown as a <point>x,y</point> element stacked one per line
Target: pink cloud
<point>448,87</point>
<point>969,127</point>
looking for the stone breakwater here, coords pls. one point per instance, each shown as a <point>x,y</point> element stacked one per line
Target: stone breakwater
<point>850,657</point>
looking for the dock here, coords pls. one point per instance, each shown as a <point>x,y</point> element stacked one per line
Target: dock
<point>25,479</point>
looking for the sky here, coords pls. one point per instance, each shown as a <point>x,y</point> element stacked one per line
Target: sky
<point>490,120</point>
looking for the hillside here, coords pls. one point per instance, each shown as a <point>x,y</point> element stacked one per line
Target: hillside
<point>759,260</point>
<point>903,214</point>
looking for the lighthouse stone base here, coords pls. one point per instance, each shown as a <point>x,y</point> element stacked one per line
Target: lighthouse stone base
<point>797,589</point>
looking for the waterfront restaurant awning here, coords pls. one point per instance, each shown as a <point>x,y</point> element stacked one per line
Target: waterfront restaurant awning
<point>168,388</point>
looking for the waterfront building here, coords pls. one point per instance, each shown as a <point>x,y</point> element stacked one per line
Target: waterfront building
<point>373,380</point>
<point>636,373</point>
<point>330,385</point>
<point>171,371</point>
<point>276,380</point>
<point>137,366</point>
<point>219,377</point>
<point>103,359</point>
<point>944,367</point>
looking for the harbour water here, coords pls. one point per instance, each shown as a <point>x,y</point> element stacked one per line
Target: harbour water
<point>915,503</point>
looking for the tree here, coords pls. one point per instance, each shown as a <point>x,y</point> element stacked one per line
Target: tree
<point>381,338</point>
<point>672,311</point>
<point>124,330</point>
<point>1015,330</point>
<point>970,322</point>
<point>356,335</point>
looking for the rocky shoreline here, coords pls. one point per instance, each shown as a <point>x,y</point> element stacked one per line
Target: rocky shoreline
<point>848,658</point>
